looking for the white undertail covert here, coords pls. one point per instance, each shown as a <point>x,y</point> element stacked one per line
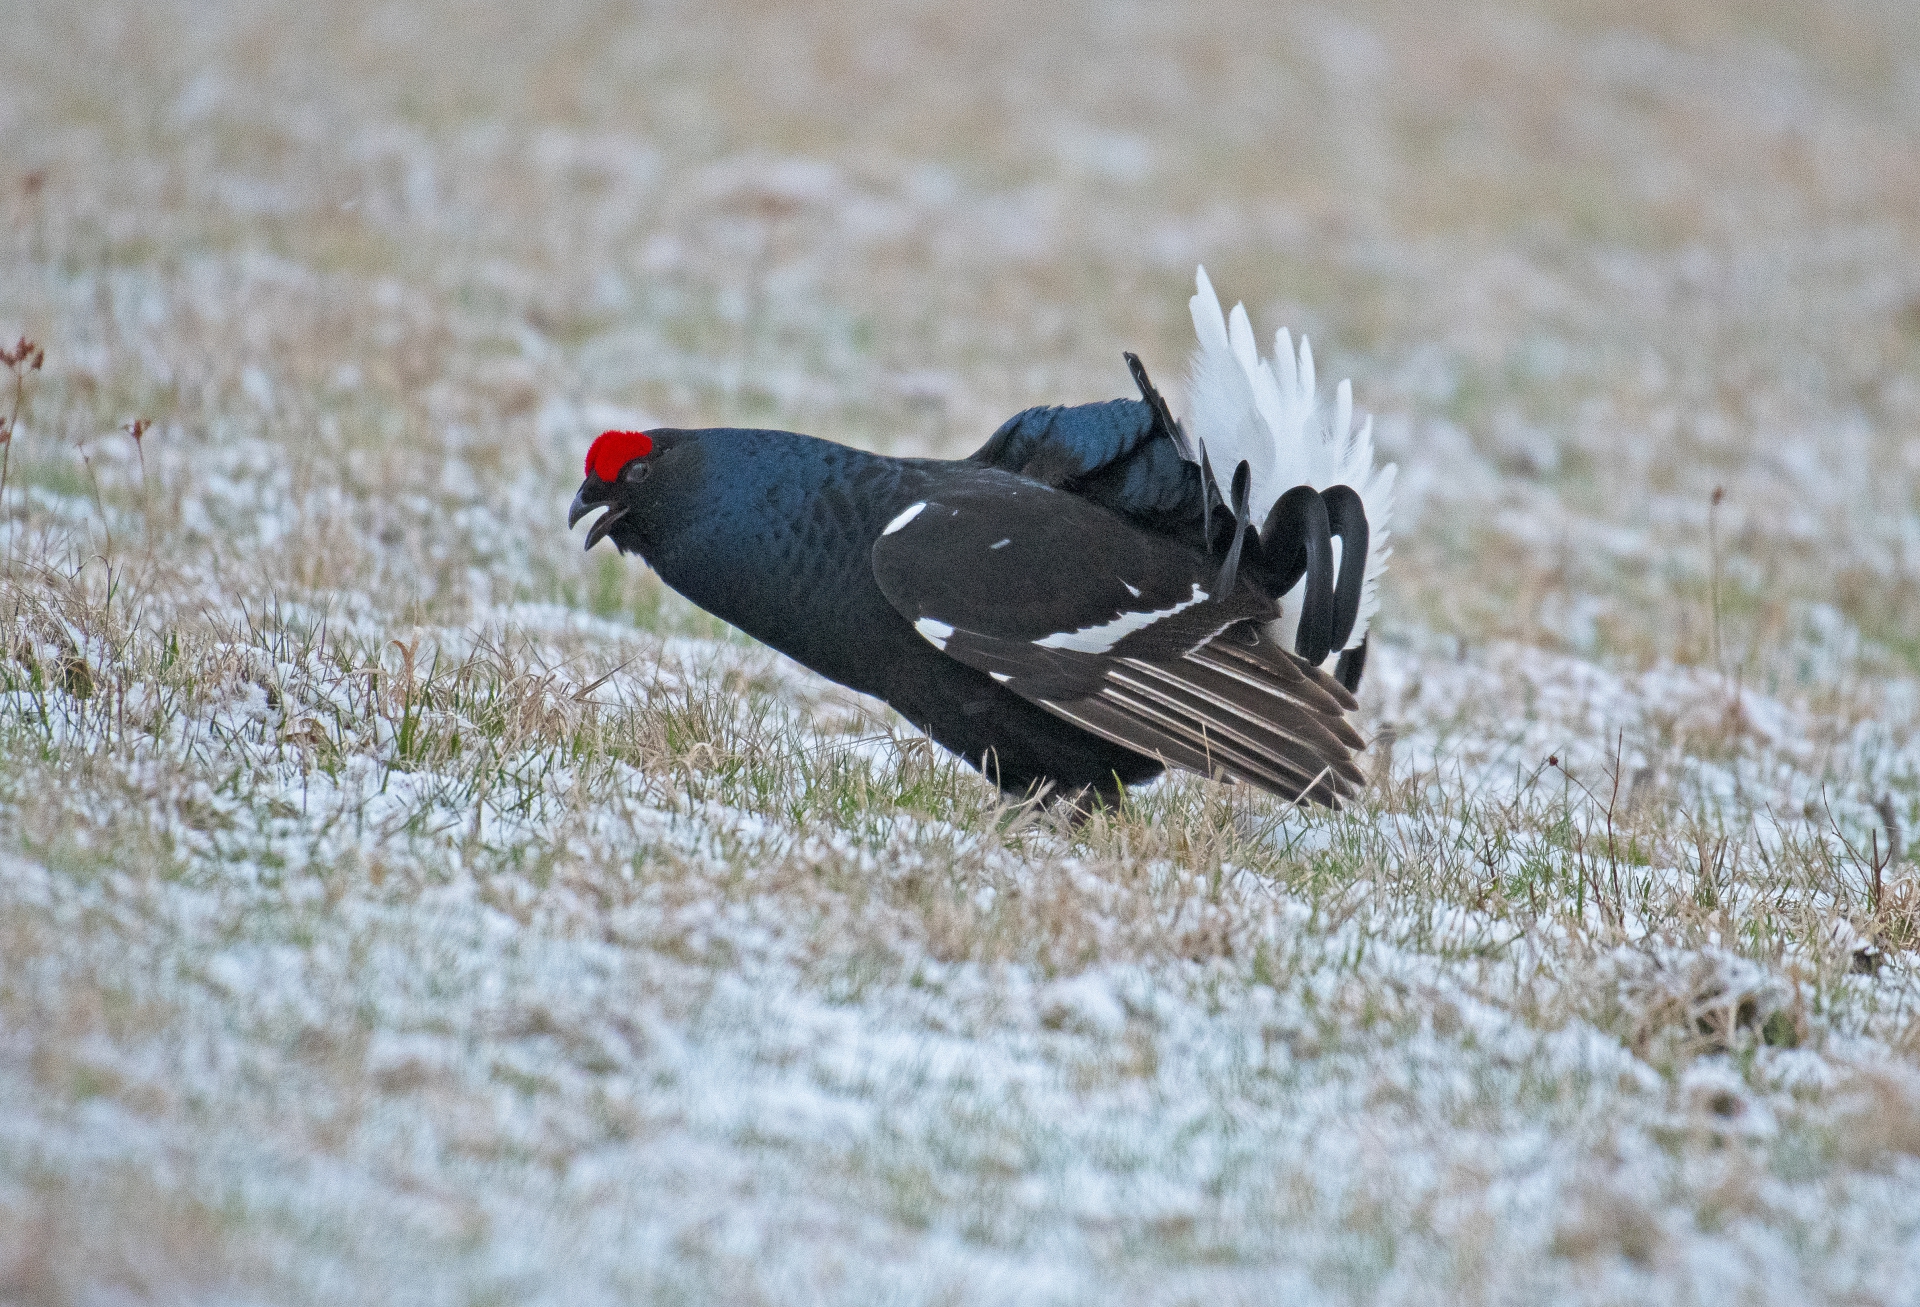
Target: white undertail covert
<point>1265,412</point>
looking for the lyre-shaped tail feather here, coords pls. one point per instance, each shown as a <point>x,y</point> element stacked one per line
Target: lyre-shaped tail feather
<point>1265,413</point>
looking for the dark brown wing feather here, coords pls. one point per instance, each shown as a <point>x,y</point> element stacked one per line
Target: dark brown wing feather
<point>1118,632</point>
<point>1256,715</point>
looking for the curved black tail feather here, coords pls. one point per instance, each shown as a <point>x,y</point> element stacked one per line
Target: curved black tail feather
<point>1347,521</point>
<point>1242,507</point>
<point>1297,541</point>
<point>1162,415</point>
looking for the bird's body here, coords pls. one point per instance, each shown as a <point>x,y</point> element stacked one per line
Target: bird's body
<point>1080,603</point>
<point>773,563</point>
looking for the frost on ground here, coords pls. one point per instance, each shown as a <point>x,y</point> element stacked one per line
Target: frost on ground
<point>396,905</point>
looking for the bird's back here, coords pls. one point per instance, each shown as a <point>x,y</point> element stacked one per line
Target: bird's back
<point>1116,454</point>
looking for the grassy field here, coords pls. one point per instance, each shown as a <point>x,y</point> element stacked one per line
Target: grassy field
<point>397,905</point>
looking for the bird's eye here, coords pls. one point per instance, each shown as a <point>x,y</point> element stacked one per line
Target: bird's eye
<point>635,471</point>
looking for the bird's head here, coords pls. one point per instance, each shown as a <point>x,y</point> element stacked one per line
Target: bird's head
<point>624,475</point>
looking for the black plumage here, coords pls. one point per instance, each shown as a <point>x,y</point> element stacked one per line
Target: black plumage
<point>1073,604</point>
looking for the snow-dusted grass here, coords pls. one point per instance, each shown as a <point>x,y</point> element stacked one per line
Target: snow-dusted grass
<point>396,905</point>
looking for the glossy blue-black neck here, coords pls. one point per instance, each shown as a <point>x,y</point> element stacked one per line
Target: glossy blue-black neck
<point>764,529</point>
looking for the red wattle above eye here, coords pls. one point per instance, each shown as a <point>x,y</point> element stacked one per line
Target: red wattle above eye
<point>614,450</point>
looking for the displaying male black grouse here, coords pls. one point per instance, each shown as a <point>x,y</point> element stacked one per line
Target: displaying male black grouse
<point>1083,601</point>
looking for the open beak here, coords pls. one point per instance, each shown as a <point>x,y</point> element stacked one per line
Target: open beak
<point>582,505</point>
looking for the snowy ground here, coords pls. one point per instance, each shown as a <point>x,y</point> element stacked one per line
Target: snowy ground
<point>396,905</point>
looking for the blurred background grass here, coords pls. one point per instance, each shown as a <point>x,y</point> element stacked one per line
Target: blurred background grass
<point>1586,262</point>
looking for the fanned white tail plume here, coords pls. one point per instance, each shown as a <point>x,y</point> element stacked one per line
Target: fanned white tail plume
<point>1264,411</point>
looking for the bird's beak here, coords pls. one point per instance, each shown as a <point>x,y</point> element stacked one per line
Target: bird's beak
<point>583,504</point>
<point>580,507</point>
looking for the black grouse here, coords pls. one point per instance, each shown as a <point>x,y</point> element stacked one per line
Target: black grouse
<point>1096,593</point>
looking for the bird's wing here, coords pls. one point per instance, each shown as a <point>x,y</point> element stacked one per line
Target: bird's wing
<point>1117,631</point>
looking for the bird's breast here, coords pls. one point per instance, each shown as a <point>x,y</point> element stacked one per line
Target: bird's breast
<point>794,570</point>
